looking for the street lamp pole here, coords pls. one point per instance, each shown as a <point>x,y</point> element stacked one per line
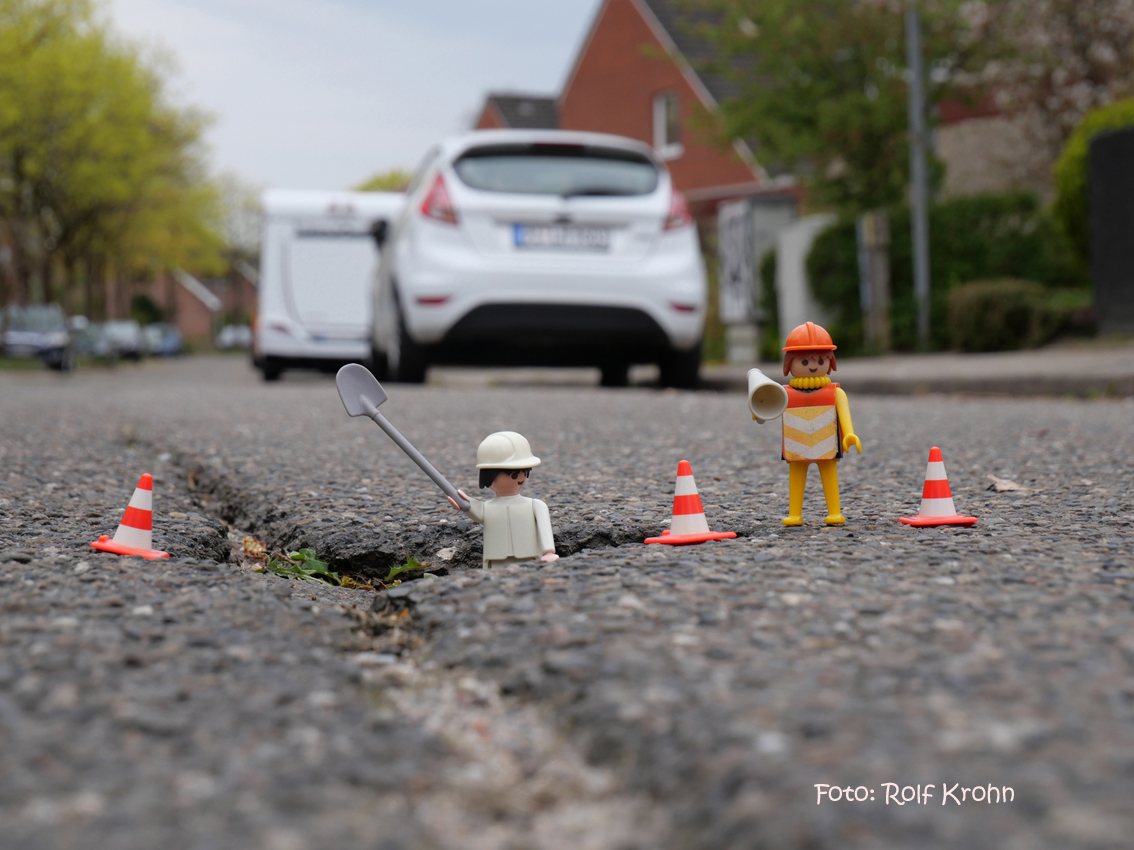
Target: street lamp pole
<point>919,188</point>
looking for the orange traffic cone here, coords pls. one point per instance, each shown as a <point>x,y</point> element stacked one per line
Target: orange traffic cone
<point>689,524</point>
<point>135,533</point>
<point>936,498</point>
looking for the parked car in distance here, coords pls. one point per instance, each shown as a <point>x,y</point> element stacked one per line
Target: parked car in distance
<point>38,330</point>
<point>92,340</point>
<point>126,337</point>
<point>163,340</point>
<point>541,247</point>
<point>317,262</point>
<point>234,336</point>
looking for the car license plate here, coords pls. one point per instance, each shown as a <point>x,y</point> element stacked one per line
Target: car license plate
<point>561,237</point>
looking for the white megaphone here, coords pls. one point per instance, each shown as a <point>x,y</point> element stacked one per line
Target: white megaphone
<point>767,399</point>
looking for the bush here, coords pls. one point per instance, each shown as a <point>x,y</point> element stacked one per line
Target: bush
<point>1002,315</point>
<point>995,315</point>
<point>972,238</point>
<point>145,309</point>
<point>1070,209</point>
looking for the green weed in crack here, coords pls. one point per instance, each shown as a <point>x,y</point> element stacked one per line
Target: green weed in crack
<point>304,564</point>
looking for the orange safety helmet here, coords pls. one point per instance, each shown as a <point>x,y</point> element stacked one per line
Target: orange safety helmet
<point>809,337</point>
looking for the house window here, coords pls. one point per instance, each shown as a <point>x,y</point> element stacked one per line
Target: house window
<point>667,126</point>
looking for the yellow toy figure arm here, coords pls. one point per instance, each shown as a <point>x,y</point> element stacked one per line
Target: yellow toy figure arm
<point>842,408</point>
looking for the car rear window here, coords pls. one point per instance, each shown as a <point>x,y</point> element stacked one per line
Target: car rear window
<point>36,318</point>
<point>548,169</point>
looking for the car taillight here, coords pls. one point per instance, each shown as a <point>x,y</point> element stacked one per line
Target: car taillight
<point>678,215</point>
<point>437,204</point>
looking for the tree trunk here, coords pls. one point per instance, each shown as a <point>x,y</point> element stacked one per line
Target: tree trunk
<point>20,271</point>
<point>5,273</point>
<point>47,274</point>
<point>89,286</point>
<point>70,284</point>
<point>170,297</point>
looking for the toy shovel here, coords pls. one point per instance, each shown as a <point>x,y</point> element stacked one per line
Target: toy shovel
<point>361,394</point>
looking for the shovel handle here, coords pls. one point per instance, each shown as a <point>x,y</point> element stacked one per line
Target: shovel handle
<point>414,455</point>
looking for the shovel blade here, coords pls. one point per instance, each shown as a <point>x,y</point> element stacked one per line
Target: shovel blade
<point>356,382</point>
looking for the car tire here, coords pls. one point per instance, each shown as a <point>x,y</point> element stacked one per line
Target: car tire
<point>406,362</point>
<point>66,361</point>
<point>271,369</point>
<point>681,369</point>
<point>614,374</point>
<point>379,364</point>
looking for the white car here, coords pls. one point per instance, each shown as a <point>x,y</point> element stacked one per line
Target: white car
<point>317,261</point>
<point>541,247</point>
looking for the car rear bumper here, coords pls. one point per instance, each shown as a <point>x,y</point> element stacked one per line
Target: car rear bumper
<point>551,335</point>
<point>284,340</point>
<point>632,309</point>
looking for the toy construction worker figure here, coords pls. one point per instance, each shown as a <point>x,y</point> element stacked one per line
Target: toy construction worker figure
<point>516,528</point>
<point>817,422</point>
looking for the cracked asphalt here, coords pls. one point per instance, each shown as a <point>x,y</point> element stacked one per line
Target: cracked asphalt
<point>626,696</point>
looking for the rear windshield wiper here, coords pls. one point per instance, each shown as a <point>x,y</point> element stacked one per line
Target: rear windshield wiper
<point>594,191</point>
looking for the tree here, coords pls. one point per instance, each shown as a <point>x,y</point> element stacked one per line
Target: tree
<point>394,180</point>
<point>1068,57</point>
<point>823,85</point>
<point>97,170</point>
<point>242,214</point>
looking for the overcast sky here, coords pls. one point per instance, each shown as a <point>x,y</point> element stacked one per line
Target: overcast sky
<point>321,94</point>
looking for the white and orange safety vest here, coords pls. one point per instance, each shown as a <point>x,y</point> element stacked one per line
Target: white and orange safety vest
<point>811,425</point>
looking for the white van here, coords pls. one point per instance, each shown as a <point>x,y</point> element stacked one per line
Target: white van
<point>317,259</point>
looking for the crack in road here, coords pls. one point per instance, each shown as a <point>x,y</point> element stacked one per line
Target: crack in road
<point>356,546</point>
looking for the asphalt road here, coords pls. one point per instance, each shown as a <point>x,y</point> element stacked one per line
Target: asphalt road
<point>623,697</point>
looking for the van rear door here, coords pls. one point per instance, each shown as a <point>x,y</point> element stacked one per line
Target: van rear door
<point>327,273</point>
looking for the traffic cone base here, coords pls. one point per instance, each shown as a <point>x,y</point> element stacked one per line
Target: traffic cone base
<point>956,519</point>
<point>689,524</point>
<point>936,498</point>
<point>686,539</point>
<point>134,536</point>
<point>107,545</point>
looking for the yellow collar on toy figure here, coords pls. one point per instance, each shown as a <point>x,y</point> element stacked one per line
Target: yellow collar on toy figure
<point>810,383</point>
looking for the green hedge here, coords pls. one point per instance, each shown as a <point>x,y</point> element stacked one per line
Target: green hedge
<point>1070,207</point>
<point>973,238</point>
<point>1003,315</point>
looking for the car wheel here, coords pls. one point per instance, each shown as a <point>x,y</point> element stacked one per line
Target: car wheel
<point>614,374</point>
<point>405,359</point>
<point>681,369</point>
<point>379,364</point>
<point>271,368</point>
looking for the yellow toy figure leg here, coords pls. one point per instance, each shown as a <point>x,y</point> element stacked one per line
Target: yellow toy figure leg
<point>829,473</point>
<point>797,480</point>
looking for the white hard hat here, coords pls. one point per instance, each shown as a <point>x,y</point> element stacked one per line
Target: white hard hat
<point>505,450</point>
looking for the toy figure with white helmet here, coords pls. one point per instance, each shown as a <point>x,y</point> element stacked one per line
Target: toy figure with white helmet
<point>516,528</point>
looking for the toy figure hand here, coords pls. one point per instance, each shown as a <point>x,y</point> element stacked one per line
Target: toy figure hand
<point>548,557</point>
<point>464,495</point>
<point>851,440</point>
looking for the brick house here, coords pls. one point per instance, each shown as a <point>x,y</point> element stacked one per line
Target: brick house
<point>199,308</point>
<point>633,77</point>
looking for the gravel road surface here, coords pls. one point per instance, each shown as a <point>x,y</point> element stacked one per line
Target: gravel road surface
<point>626,696</point>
